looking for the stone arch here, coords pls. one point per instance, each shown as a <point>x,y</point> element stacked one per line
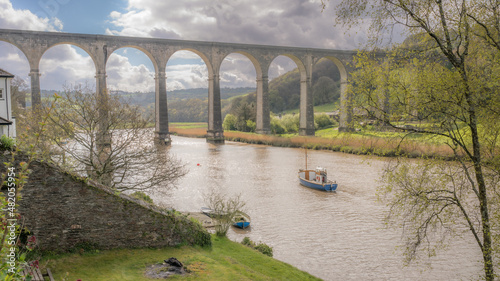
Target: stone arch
<point>137,47</point>
<point>340,65</point>
<point>19,50</point>
<point>256,63</point>
<point>71,43</point>
<point>202,55</point>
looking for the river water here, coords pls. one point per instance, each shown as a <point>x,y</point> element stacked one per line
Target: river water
<point>334,236</point>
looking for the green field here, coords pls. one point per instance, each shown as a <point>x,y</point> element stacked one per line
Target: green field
<point>317,109</point>
<point>226,260</point>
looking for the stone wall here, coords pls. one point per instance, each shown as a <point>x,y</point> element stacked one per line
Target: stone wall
<point>62,211</point>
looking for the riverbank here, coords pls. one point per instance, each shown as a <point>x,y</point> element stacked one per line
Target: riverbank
<point>225,260</point>
<point>384,144</point>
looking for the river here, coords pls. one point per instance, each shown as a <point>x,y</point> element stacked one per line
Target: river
<point>334,236</point>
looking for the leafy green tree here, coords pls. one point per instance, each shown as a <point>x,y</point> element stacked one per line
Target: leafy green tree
<point>229,122</point>
<point>455,98</point>
<point>325,91</point>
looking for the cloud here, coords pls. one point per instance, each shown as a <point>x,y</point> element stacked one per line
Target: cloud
<point>24,19</point>
<point>279,22</point>
<point>64,65</point>
<point>122,75</point>
<point>11,58</point>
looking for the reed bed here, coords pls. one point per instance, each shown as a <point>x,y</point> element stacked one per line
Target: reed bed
<point>346,142</point>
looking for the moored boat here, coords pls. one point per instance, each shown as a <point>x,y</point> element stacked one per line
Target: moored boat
<point>317,179</point>
<point>241,220</point>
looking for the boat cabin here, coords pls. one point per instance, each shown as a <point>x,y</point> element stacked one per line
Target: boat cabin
<point>319,175</point>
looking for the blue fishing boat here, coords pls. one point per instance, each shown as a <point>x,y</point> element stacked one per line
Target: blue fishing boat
<point>316,179</point>
<point>241,220</point>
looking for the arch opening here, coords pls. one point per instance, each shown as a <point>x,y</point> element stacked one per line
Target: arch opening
<point>326,84</point>
<point>285,73</point>
<point>131,70</point>
<point>187,87</point>
<point>64,66</point>
<point>239,74</point>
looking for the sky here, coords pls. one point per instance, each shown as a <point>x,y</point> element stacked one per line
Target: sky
<point>297,23</point>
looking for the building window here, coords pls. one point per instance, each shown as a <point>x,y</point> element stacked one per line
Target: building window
<point>1,93</point>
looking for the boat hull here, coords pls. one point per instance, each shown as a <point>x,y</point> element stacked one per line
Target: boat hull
<point>241,224</point>
<point>329,186</point>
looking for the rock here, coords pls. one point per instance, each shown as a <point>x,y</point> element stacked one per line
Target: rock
<point>170,267</point>
<point>173,262</point>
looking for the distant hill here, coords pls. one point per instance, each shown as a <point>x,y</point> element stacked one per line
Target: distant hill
<point>284,91</point>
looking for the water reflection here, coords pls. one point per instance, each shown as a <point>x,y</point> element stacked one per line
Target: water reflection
<point>335,236</point>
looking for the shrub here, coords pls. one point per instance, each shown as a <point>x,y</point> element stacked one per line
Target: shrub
<point>261,247</point>
<point>322,120</point>
<point>276,127</point>
<point>7,143</point>
<point>251,125</point>
<point>229,122</point>
<point>290,123</point>
<point>265,249</point>
<point>247,242</point>
<point>142,196</point>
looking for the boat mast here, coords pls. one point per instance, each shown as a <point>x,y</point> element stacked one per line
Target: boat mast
<point>306,157</point>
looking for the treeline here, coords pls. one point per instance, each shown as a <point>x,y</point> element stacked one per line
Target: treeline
<point>283,124</point>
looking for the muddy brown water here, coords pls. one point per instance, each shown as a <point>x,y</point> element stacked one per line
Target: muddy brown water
<point>334,236</point>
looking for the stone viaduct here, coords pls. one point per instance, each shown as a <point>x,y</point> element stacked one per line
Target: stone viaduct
<point>99,47</point>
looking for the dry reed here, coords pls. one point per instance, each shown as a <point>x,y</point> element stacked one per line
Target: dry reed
<point>348,143</point>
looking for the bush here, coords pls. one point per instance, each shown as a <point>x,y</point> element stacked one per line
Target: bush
<point>142,196</point>
<point>290,123</point>
<point>261,247</point>
<point>276,127</point>
<point>7,143</point>
<point>229,122</point>
<point>265,249</point>
<point>323,120</point>
<point>251,125</point>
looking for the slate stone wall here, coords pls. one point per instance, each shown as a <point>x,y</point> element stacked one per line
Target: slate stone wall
<point>62,211</point>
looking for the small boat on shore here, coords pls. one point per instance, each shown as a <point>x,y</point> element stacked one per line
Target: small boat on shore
<point>316,179</point>
<point>241,220</point>
<point>207,211</point>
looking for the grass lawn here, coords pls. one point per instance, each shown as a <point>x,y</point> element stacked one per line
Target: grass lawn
<point>226,260</point>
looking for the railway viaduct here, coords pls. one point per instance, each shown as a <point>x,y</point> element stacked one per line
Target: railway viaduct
<point>99,47</point>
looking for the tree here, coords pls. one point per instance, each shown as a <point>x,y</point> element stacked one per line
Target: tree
<point>455,98</point>
<point>224,210</point>
<point>325,91</point>
<point>130,161</point>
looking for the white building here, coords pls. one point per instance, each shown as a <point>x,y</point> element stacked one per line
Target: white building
<point>7,121</point>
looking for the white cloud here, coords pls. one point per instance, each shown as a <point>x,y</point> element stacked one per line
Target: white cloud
<point>279,22</point>
<point>25,19</point>
<point>63,65</point>
<point>11,58</point>
<point>122,75</point>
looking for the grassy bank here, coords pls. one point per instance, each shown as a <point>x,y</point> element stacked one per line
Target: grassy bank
<point>362,143</point>
<point>226,260</point>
